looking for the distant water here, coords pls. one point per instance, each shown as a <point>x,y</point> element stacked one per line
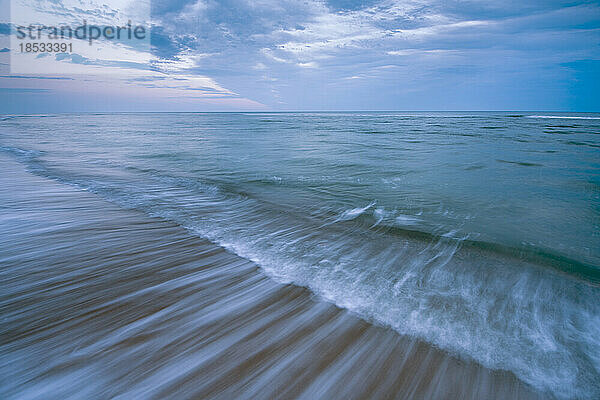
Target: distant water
<point>476,232</point>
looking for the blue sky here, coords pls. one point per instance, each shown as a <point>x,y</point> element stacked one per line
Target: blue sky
<point>260,55</point>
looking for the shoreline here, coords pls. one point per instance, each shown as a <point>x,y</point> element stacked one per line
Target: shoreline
<point>101,301</point>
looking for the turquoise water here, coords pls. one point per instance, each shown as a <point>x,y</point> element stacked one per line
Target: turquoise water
<point>477,232</point>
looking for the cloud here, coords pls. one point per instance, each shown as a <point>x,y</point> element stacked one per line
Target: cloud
<point>379,54</point>
<point>12,91</point>
<point>4,28</point>
<point>36,77</point>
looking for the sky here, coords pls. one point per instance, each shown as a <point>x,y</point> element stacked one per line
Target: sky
<point>309,55</point>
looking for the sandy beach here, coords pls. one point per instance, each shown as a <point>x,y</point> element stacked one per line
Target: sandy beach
<point>106,302</point>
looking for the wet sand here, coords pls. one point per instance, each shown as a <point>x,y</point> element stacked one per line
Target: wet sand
<point>101,302</point>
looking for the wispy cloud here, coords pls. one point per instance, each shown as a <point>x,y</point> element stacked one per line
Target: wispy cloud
<point>378,54</point>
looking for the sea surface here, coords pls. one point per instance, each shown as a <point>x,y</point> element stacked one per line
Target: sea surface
<point>478,233</point>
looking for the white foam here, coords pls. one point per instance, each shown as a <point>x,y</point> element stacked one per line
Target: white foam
<point>560,117</point>
<point>407,220</point>
<point>354,212</point>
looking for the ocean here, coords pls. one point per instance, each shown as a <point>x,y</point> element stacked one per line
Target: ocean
<point>477,233</point>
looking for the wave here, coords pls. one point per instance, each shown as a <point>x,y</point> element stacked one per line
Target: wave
<point>399,225</point>
<point>141,309</point>
<point>354,212</point>
<point>560,117</point>
<point>506,311</point>
<point>21,154</point>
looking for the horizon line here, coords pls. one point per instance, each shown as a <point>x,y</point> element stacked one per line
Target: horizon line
<point>300,111</point>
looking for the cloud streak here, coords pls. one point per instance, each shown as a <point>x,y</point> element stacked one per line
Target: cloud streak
<point>383,54</point>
